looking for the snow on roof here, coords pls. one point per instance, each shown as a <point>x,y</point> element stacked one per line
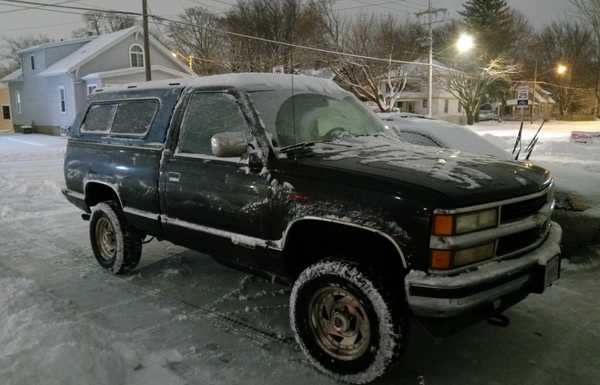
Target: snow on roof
<point>88,52</point>
<point>13,77</point>
<point>133,71</point>
<point>245,81</point>
<point>53,44</point>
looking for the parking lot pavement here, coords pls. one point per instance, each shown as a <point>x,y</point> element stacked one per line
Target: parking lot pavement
<point>189,320</point>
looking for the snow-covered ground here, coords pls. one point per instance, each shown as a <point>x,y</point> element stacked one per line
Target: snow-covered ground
<point>576,166</point>
<point>181,318</point>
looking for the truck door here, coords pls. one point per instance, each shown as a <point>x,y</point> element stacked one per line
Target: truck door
<point>206,194</point>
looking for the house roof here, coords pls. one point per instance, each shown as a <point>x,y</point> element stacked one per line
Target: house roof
<point>14,76</point>
<point>96,47</point>
<point>53,44</point>
<point>86,53</point>
<point>134,71</point>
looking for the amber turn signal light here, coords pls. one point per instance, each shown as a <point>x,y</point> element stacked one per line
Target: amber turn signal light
<point>441,259</point>
<point>443,225</point>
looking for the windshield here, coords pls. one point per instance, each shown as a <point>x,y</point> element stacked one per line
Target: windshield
<point>310,117</point>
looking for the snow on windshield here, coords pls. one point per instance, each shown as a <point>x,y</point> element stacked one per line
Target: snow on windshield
<point>311,117</point>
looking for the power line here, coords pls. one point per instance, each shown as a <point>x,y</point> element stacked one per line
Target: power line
<point>21,9</point>
<point>39,27</point>
<point>225,32</point>
<point>365,5</point>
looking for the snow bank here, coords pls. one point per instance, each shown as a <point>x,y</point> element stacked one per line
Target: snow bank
<point>40,344</point>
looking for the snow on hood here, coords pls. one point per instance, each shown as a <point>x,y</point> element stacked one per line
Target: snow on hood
<point>442,164</point>
<point>459,179</point>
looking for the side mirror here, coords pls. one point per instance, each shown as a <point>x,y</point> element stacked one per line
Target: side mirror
<point>229,144</point>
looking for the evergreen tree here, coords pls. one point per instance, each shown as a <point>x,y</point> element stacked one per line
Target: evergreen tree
<point>492,22</point>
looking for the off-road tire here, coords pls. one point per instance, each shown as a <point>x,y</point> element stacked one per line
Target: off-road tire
<point>388,321</point>
<point>128,242</point>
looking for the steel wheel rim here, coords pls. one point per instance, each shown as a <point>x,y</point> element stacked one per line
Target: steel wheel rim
<point>105,239</point>
<point>339,323</point>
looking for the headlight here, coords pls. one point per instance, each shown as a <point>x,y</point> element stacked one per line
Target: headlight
<point>448,259</point>
<point>465,223</point>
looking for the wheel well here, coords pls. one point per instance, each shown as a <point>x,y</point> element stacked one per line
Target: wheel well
<point>309,241</point>
<point>99,192</point>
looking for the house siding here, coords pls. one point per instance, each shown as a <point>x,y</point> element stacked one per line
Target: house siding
<point>55,54</point>
<point>118,57</point>
<point>40,95</point>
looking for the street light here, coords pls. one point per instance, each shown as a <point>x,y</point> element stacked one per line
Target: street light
<point>465,43</point>
<point>561,69</point>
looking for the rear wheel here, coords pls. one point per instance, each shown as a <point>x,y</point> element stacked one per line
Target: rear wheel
<point>345,322</point>
<point>117,248</point>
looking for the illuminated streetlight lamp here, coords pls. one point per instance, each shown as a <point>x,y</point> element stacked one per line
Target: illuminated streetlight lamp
<point>561,69</point>
<point>465,43</point>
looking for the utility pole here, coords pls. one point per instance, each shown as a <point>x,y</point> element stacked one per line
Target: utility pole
<point>146,41</point>
<point>535,75</point>
<point>430,13</point>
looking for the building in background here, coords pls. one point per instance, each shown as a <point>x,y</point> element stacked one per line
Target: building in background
<point>5,110</point>
<point>414,98</point>
<point>54,80</point>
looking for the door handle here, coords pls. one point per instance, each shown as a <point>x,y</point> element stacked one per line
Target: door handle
<point>174,177</point>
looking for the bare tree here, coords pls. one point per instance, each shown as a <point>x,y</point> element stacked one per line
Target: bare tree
<point>11,47</point>
<point>195,37</point>
<point>98,23</point>
<point>375,80</point>
<point>570,44</point>
<point>590,11</point>
<point>292,21</point>
<point>370,81</point>
<point>470,86</point>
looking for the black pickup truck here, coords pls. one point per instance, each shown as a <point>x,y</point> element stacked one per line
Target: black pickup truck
<point>293,177</point>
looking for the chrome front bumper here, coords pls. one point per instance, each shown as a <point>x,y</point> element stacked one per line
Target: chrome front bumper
<point>449,296</point>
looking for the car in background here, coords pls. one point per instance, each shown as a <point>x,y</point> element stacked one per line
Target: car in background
<point>420,130</point>
<point>485,115</point>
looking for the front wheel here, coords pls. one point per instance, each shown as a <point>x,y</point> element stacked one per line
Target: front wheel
<point>345,322</point>
<point>117,248</point>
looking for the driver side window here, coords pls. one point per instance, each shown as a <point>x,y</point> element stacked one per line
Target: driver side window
<point>209,114</point>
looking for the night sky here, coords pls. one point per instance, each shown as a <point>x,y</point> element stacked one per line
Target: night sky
<point>57,25</point>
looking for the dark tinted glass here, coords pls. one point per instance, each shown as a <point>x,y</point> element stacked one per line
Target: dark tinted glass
<point>208,114</point>
<point>134,117</point>
<point>99,118</point>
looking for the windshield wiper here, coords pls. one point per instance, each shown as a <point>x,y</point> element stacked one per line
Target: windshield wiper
<point>297,146</point>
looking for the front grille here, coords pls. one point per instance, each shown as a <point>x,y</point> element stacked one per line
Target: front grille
<point>519,241</point>
<point>520,210</point>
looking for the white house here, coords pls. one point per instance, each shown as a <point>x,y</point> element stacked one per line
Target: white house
<point>52,85</point>
<point>414,98</point>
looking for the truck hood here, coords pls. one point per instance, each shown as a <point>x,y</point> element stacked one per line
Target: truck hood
<point>460,179</point>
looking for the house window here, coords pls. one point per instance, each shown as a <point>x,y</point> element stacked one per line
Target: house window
<point>6,112</point>
<point>425,103</point>
<point>136,55</point>
<point>91,88</point>
<point>62,98</point>
<point>32,63</point>
<point>19,105</point>
<point>459,108</point>
<point>446,106</point>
